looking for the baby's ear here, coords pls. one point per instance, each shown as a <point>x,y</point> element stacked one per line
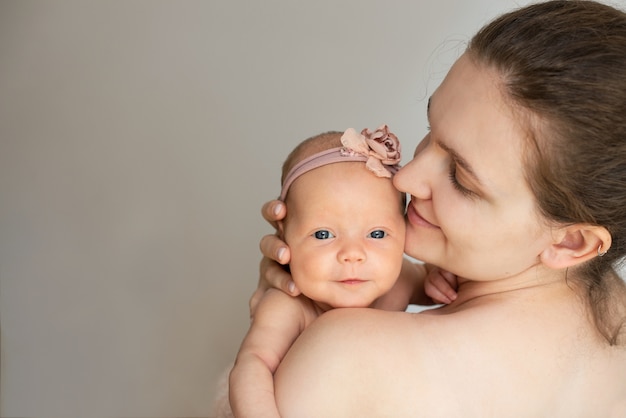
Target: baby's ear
<point>575,244</point>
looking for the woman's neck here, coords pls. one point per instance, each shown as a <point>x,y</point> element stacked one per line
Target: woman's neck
<point>535,279</point>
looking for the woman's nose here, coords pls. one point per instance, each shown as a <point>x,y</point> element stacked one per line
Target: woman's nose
<point>414,177</point>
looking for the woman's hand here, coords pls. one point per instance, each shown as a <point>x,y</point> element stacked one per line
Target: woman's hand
<point>275,256</point>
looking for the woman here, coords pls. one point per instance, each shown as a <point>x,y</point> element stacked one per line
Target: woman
<point>519,189</point>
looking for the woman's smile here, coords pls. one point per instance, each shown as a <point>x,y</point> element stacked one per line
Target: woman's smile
<point>416,219</point>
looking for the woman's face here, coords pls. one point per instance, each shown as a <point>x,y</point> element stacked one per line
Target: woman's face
<point>471,210</point>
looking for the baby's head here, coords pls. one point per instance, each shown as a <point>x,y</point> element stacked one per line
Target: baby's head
<point>345,220</point>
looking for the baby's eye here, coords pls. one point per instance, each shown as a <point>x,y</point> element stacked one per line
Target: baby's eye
<point>378,234</point>
<point>323,234</point>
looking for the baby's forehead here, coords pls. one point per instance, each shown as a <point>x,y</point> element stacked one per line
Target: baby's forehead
<point>337,171</point>
<point>344,183</point>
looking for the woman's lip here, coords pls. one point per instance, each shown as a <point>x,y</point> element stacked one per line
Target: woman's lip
<point>415,218</point>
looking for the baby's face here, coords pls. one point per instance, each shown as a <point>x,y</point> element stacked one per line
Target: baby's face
<point>345,229</point>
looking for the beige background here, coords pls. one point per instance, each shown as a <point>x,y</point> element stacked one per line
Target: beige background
<point>138,140</point>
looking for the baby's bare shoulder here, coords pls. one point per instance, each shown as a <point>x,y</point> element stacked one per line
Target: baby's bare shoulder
<point>357,354</point>
<point>440,364</point>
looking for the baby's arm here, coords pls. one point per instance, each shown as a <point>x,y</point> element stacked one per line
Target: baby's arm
<point>419,284</point>
<point>278,321</point>
<point>409,286</point>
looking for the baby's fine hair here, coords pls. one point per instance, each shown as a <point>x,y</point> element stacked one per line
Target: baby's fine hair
<point>310,146</point>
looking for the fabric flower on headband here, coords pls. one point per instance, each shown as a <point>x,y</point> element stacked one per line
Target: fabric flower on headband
<point>380,146</point>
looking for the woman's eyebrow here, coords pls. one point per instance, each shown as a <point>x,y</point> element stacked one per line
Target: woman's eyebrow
<point>453,154</point>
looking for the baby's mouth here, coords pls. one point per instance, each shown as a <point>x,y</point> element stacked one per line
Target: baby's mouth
<point>352,281</point>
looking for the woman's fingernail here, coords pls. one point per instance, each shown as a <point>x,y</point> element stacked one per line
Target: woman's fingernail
<point>291,286</point>
<point>280,253</point>
<point>277,209</point>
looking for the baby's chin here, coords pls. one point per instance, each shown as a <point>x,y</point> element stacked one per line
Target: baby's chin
<point>342,299</point>
<point>327,306</point>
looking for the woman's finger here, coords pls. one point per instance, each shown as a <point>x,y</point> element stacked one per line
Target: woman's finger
<point>273,211</point>
<point>275,249</point>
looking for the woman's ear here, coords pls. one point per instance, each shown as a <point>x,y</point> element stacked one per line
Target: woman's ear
<point>575,244</point>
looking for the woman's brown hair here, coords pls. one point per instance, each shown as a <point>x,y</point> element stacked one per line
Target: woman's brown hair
<point>563,63</point>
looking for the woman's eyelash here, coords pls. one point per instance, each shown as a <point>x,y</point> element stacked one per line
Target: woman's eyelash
<point>456,184</point>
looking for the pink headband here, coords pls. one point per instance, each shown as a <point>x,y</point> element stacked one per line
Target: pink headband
<point>379,150</point>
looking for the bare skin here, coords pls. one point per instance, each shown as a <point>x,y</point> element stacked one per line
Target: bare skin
<point>462,360</point>
<point>518,341</point>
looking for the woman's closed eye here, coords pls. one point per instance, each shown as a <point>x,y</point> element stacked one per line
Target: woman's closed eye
<point>323,234</point>
<point>457,185</point>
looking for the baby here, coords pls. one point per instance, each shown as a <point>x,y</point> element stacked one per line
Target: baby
<point>345,230</point>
